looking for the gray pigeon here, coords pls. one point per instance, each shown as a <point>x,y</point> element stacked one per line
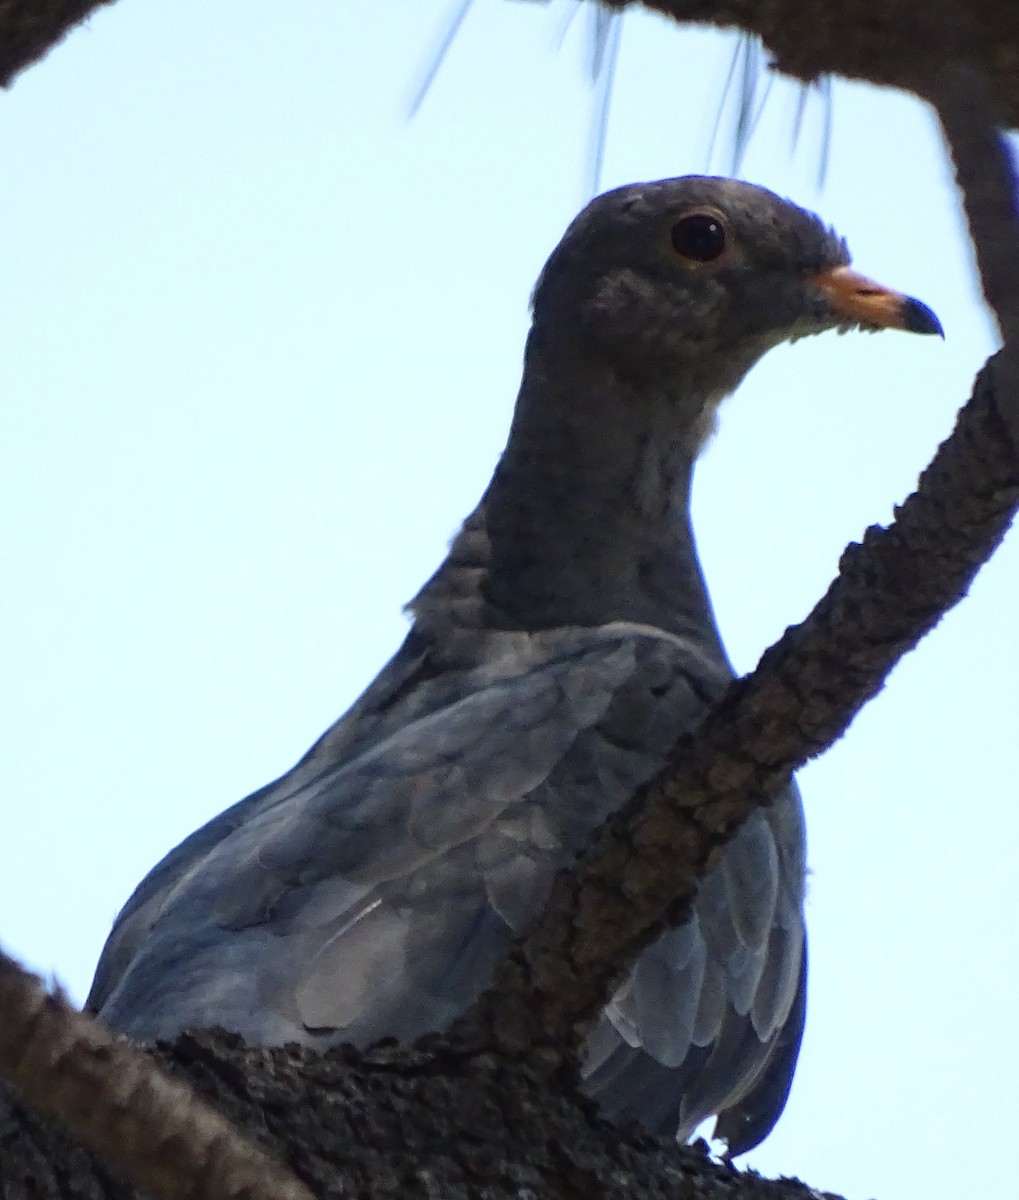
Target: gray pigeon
<point>554,658</point>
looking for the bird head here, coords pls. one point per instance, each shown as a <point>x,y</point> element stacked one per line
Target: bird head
<point>682,285</point>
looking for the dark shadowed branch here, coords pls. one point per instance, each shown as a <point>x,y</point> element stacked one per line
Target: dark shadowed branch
<point>870,40</point>
<point>29,29</point>
<point>399,1125</point>
<point>986,175</point>
<point>145,1126</point>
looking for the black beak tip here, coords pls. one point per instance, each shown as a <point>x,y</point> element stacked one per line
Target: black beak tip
<point>918,318</point>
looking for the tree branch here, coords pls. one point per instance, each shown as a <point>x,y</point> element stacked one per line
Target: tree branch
<point>152,1130</point>
<point>399,1125</point>
<point>29,29</point>
<point>893,44</point>
<point>870,40</point>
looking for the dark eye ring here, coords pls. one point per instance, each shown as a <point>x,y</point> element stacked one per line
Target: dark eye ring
<point>699,236</point>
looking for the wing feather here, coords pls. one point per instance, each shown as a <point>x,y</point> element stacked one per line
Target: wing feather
<point>373,895</point>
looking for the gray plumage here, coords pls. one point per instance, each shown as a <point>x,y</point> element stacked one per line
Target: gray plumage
<point>554,658</point>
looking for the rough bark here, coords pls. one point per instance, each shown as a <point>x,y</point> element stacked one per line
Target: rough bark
<point>105,1088</point>
<point>397,1125</point>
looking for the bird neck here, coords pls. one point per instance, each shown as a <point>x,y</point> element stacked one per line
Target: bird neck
<point>587,517</point>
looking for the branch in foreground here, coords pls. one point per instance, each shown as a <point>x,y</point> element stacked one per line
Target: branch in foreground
<point>859,39</point>
<point>641,872</point>
<point>962,96</point>
<point>29,29</point>
<point>898,45</point>
<point>969,113</point>
<point>153,1131</point>
<point>399,1125</point>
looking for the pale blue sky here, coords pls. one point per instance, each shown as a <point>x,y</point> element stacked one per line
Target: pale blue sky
<point>261,340</point>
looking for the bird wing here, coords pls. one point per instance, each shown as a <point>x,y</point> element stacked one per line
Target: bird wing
<point>138,915</point>
<point>711,1016</point>
<point>424,846</point>
<point>376,896</point>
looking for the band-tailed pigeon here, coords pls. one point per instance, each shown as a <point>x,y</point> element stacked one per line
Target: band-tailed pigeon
<point>554,658</point>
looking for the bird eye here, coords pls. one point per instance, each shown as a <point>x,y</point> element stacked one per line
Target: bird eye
<point>699,236</point>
